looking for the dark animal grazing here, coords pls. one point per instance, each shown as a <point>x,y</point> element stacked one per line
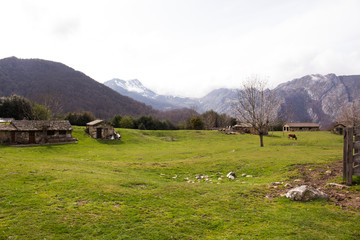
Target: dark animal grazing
<point>292,136</point>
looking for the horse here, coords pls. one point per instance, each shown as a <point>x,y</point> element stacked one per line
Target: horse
<point>292,136</point>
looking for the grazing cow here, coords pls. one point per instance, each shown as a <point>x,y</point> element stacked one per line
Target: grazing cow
<point>292,136</point>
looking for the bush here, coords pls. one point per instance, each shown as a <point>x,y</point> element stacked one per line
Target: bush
<point>80,118</point>
<point>126,122</point>
<point>40,112</point>
<point>115,121</point>
<point>16,107</point>
<point>196,123</point>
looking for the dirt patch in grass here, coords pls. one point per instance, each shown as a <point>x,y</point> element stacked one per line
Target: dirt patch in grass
<point>318,176</point>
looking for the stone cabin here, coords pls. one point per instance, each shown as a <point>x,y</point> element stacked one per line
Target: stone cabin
<point>245,128</point>
<point>36,132</point>
<point>100,129</point>
<point>291,127</point>
<point>339,128</point>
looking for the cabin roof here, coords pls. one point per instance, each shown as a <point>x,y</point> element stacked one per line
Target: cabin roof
<point>299,124</point>
<point>243,125</point>
<point>35,125</point>
<point>339,124</point>
<point>7,127</point>
<point>95,122</point>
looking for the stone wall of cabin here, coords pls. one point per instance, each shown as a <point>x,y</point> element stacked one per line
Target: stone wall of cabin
<point>107,131</point>
<point>41,137</point>
<point>5,137</point>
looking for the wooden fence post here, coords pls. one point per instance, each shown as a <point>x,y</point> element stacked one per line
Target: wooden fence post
<point>349,164</point>
<point>345,150</point>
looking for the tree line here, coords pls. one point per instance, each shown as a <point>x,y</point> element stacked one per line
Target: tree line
<point>21,108</point>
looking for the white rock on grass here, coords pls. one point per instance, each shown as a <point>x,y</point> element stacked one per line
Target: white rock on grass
<point>305,193</point>
<point>231,175</point>
<point>328,172</point>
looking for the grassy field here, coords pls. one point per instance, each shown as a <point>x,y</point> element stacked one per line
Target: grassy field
<point>144,187</point>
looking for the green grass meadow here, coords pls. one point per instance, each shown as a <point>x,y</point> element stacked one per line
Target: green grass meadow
<point>137,188</point>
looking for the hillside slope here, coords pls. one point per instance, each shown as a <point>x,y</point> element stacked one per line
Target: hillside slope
<point>34,78</point>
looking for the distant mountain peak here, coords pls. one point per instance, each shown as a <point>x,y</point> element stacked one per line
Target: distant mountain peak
<point>130,86</point>
<point>133,85</point>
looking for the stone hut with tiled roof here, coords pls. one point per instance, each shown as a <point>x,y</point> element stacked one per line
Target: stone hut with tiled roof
<point>100,129</point>
<point>36,132</point>
<point>291,127</point>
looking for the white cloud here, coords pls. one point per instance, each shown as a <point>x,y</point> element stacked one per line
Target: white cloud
<point>186,47</point>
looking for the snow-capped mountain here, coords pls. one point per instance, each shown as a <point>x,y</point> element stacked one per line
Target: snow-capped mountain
<point>130,86</point>
<point>312,98</point>
<point>318,98</point>
<point>136,90</point>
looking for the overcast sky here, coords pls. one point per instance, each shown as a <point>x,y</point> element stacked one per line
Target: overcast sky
<point>186,47</point>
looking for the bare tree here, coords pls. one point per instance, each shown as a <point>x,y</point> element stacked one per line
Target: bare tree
<point>52,101</point>
<point>350,115</point>
<point>256,105</point>
<point>210,119</point>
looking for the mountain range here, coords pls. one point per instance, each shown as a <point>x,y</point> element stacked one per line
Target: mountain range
<point>38,80</point>
<point>312,98</point>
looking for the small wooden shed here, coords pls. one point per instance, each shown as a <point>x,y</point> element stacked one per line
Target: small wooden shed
<point>100,129</point>
<point>339,129</point>
<point>36,132</point>
<point>291,127</point>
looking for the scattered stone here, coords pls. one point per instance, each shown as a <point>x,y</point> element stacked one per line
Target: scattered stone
<point>219,174</point>
<point>233,150</point>
<point>174,177</point>
<point>219,178</point>
<point>297,180</point>
<point>288,185</point>
<point>197,176</point>
<point>336,185</point>
<point>305,193</point>
<point>249,176</point>
<point>231,175</point>
<point>243,175</point>
<point>187,179</point>
<point>277,183</point>
<point>328,172</point>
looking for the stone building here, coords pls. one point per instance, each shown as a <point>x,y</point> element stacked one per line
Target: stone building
<point>339,128</point>
<point>100,129</point>
<point>246,128</point>
<point>291,127</point>
<point>36,132</point>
